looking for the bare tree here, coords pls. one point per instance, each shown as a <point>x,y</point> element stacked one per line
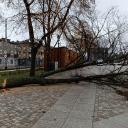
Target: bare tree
<point>46,16</point>
<point>89,33</point>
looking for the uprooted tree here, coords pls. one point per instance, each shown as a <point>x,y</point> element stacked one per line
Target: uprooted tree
<point>95,37</point>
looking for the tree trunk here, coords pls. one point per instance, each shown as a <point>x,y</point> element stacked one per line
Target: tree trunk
<point>31,37</point>
<point>48,58</point>
<point>33,61</point>
<point>49,37</point>
<point>88,55</point>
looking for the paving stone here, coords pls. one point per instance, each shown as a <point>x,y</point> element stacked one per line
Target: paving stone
<point>108,103</point>
<point>120,121</point>
<point>22,107</point>
<point>53,115</point>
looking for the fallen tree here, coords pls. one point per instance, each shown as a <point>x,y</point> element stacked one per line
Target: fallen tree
<point>107,79</point>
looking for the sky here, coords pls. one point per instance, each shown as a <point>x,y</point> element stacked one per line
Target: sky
<point>104,5</point>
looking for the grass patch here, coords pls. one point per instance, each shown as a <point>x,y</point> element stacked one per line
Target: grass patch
<point>17,74</point>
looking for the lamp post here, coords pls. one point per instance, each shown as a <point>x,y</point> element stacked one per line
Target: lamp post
<point>5,58</point>
<point>58,40</point>
<point>29,59</point>
<point>6,41</point>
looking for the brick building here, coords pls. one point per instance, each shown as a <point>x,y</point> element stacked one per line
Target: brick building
<point>60,58</point>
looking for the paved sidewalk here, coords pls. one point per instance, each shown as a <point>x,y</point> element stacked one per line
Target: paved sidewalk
<point>74,110</point>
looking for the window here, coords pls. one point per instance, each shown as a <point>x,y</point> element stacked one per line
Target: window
<point>11,61</point>
<point>1,52</point>
<point>0,61</point>
<point>41,53</point>
<point>12,52</point>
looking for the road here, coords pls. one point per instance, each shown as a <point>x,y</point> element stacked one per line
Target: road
<point>89,71</point>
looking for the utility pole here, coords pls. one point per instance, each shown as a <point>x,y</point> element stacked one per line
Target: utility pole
<point>6,41</point>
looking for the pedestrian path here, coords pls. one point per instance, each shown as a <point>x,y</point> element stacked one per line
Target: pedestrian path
<point>74,110</point>
<point>120,121</point>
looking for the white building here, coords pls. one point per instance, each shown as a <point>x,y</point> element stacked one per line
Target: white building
<point>8,54</point>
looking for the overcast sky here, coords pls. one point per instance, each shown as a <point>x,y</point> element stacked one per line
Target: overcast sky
<point>104,5</point>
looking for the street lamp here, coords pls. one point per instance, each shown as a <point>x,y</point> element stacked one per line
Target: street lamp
<point>5,57</point>
<point>6,41</point>
<point>29,59</point>
<point>58,40</point>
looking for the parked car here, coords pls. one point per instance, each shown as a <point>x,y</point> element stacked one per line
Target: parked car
<point>99,62</point>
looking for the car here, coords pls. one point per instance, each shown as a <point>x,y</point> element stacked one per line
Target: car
<point>99,62</point>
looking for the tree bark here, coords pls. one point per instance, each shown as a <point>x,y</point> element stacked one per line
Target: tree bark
<point>33,61</point>
<point>31,37</point>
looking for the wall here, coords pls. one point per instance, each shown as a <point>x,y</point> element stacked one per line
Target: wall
<point>62,55</point>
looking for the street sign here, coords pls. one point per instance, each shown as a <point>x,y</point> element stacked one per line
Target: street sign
<point>5,56</point>
<point>56,65</point>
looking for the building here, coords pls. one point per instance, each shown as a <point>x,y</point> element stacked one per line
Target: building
<point>17,54</point>
<point>60,58</point>
<point>8,54</point>
<point>98,53</point>
<point>24,56</point>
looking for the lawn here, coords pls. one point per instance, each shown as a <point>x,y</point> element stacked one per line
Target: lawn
<point>17,74</point>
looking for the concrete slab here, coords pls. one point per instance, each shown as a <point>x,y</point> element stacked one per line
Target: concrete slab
<point>70,101</point>
<point>62,107</point>
<point>76,123</point>
<point>84,101</point>
<point>81,115</point>
<point>84,107</point>
<point>49,124</point>
<point>54,115</point>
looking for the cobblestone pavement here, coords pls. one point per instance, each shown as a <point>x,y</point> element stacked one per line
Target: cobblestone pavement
<point>22,107</point>
<point>108,103</point>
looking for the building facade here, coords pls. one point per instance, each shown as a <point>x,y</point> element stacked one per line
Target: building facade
<point>17,54</point>
<point>60,58</point>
